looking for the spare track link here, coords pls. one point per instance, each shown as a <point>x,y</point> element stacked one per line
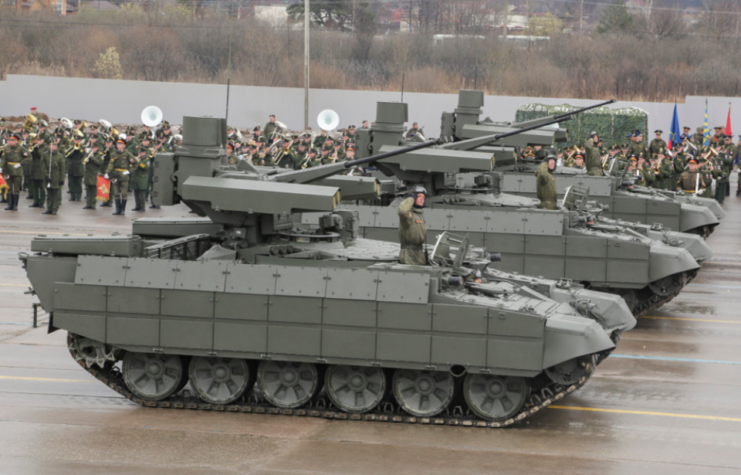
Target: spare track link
<point>321,408</point>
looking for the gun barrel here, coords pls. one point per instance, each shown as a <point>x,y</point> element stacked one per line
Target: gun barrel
<point>380,156</point>
<point>579,111</point>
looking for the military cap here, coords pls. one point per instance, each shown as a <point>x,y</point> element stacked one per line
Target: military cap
<point>637,133</point>
<point>593,133</point>
<point>658,131</point>
<point>121,140</point>
<point>165,125</point>
<point>352,127</point>
<point>15,136</point>
<point>77,135</point>
<point>686,128</point>
<point>719,127</point>
<point>328,139</point>
<point>261,139</point>
<point>629,135</point>
<point>77,121</point>
<point>685,136</point>
<point>579,155</point>
<point>692,160</point>
<point>34,108</point>
<point>529,154</point>
<point>311,150</point>
<point>230,145</point>
<point>256,128</point>
<point>350,148</point>
<point>615,147</point>
<point>633,157</point>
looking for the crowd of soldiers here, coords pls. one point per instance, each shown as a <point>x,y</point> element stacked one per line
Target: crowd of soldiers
<point>38,158</point>
<point>689,165</point>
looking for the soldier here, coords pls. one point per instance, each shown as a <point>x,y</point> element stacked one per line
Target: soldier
<point>271,129</point>
<point>657,143</point>
<point>119,171</point>
<point>93,166</point>
<point>637,147</point>
<point>10,166</point>
<point>365,125</point>
<point>579,161</point>
<point>649,173</point>
<point>412,229</point>
<point>720,177</point>
<point>698,138</point>
<point>413,131</point>
<point>313,160</point>
<point>108,147</point>
<point>298,157</point>
<point>665,172</point>
<point>256,132</point>
<point>546,183</point>
<point>39,171</point>
<point>230,156</point>
<point>75,168</point>
<point>321,138</point>
<point>718,139</point>
<point>592,157</point>
<point>54,179</point>
<point>691,181</point>
<point>139,177</point>
<point>324,155</point>
<point>728,155</point>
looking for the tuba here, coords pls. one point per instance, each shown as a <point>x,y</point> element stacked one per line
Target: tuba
<point>105,125</point>
<point>152,116</point>
<point>66,123</point>
<point>328,120</point>
<point>30,121</point>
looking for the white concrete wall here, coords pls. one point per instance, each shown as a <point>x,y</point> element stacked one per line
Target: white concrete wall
<point>123,101</point>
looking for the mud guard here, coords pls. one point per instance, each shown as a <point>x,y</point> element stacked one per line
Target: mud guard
<point>568,337</point>
<point>694,216</point>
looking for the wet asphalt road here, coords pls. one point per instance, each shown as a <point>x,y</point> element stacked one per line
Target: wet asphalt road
<point>666,402</point>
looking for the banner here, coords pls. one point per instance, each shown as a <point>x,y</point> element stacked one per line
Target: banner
<point>104,189</point>
<point>674,135</point>
<point>705,129</point>
<point>4,187</point>
<point>729,133</point>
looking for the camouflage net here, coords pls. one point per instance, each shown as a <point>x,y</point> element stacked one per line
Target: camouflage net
<point>612,125</point>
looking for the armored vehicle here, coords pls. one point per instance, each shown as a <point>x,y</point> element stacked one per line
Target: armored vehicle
<point>696,215</point>
<point>552,244</point>
<point>256,314</point>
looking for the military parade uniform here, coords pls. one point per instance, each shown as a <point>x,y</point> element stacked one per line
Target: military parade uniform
<point>11,168</point>
<point>139,178</point>
<point>39,172</point>
<point>93,166</point>
<point>656,146</point>
<point>119,171</point>
<point>592,158</point>
<point>54,182</point>
<point>546,185</point>
<point>75,171</point>
<point>412,233</point>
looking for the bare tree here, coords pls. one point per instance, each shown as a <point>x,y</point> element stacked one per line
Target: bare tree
<point>718,18</point>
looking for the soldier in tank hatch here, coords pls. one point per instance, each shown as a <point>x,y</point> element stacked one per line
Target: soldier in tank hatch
<point>546,182</point>
<point>412,229</point>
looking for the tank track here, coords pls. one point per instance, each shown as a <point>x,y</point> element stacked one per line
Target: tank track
<point>647,305</point>
<point>320,407</point>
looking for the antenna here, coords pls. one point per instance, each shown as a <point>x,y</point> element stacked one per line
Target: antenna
<point>229,60</point>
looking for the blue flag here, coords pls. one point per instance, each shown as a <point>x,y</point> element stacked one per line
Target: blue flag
<point>674,135</point>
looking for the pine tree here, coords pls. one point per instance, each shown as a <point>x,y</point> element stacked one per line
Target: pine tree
<point>615,19</point>
<point>108,65</point>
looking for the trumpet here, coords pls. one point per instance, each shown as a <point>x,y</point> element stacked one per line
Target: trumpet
<point>87,158</point>
<point>76,147</point>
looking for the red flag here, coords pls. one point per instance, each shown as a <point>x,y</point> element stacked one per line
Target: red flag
<point>728,122</point>
<point>104,189</point>
<point>3,186</point>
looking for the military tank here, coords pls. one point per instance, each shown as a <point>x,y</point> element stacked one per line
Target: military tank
<point>241,310</point>
<point>672,210</point>
<point>554,244</point>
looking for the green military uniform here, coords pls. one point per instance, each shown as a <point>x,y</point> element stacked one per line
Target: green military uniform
<point>728,155</point>
<point>649,175</point>
<point>119,170</point>
<point>689,181</point>
<point>39,172</point>
<point>12,170</point>
<point>592,159</point>
<point>93,167</point>
<point>298,159</point>
<point>546,184</point>
<point>75,171</point>
<point>665,174</point>
<point>139,177</point>
<point>269,128</point>
<point>656,146</point>
<point>412,233</point>
<point>54,182</point>
<point>721,179</point>
<point>315,160</point>
<point>636,148</point>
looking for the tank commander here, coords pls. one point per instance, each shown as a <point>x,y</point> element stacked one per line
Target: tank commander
<point>412,229</point>
<point>546,183</point>
<point>412,132</point>
<point>592,158</point>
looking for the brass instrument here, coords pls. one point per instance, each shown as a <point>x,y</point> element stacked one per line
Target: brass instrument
<point>76,147</point>
<point>87,158</point>
<point>30,121</point>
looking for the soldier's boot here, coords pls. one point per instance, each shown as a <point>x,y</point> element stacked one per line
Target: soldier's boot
<point>123,207</point>
<point>107,204</point>
<point>118,208</point>
<point>48,211</point>
<point>10,202</point>
<point>16,197</point>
